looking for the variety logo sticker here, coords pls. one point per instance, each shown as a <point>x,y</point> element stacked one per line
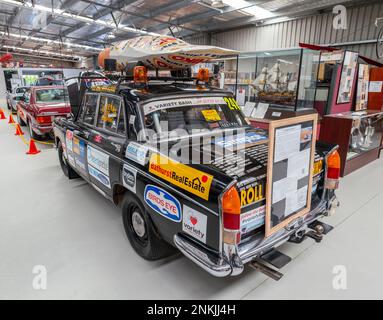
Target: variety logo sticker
<point>194,223</point>
<point>129,176</point>
<point>136,152</point>
<point>183,176</point>
<point>163,203</point>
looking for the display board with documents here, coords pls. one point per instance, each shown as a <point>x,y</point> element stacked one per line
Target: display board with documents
<point>289,171</point>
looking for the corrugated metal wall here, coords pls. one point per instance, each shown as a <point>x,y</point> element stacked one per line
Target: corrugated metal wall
<point>312,29</point>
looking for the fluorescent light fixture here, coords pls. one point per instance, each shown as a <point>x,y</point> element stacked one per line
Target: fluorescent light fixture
<point>48,41</point>
<point>49,53</point>
<point>245,6</point>
<point>60,12</point>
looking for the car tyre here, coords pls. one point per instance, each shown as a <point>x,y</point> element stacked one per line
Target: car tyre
<point>33,135</point>
<point>67,170</point>
<point>141,232</point>
<point>20,121</point>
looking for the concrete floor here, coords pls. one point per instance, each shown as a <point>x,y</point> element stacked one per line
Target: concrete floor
<point>78,236</point>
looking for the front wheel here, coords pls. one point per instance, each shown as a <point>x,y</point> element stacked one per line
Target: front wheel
<point>141,232</point>
<point>67,170</point>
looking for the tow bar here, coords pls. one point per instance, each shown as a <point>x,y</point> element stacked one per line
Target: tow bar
<point>317,232</point>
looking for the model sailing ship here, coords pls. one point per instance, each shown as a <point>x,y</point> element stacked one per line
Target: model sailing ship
<point>276,86</point>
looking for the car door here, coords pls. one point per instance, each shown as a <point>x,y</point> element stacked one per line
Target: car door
<point>23,105</point>
<point>106,143</point>
<point>77,137</point>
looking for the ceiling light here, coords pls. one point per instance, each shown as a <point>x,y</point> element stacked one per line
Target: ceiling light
<point>48,41</point>
<point>249,8</point>
<point>49,53</point>
<point>60,12</point>
<point>218,4</point>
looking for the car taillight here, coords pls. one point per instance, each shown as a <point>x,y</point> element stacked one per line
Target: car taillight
<point>231,210</point>
<point>44,119</point>
<point>333,171</point>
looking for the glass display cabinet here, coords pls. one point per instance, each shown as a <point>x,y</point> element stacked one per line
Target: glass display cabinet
<point>287,79</point>
<point>358,134</point>
<point>283,79</point>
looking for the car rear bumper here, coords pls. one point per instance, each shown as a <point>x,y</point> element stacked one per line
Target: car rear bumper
<point>234,259</point>
<point>43,129</point>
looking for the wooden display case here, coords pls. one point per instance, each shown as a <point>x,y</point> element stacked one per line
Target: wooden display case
<point>358,134</point>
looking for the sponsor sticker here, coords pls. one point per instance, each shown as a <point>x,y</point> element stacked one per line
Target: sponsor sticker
<point>98,160</point>
<point>163,203</point>
<point>252,193</point>
<point>132,118</point>
<point>231,103</point>
<point>69,140</point>
<point>160,105</point>
<point>98,175</point>
<point>211,115</point>
<point>252,219</point>
<point>69,147</point>
<point>180,175</point>
<point>240,139</point>
<point>136,152</point>
<point>194,223</point>
<point>129,176</point>
<point>76,143</point>
<point>79,150</point>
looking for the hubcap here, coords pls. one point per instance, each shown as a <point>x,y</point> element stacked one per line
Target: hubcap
<point>138,224</point>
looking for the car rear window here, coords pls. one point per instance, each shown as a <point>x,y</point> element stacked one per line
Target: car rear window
<point>52,95</point>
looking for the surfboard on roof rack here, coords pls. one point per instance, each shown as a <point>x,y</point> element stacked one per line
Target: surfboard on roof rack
<point>161,52</point>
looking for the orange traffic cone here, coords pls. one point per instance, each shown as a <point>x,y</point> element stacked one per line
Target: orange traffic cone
<point>32,148</point>
<point>11,119</point>
<point>19,132</point>
<point>2,115</point>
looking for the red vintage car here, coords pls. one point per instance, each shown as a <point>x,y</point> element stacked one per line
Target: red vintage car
<point>39,106</point>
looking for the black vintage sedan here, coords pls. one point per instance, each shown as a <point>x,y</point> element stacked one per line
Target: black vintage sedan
<point>165,152</point>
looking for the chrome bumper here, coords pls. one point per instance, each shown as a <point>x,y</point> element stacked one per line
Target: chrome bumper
<point>232,261</point>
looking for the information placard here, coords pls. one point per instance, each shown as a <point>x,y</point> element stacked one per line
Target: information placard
<point>289,170</point>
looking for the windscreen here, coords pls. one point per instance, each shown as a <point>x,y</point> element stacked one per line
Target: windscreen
<point>49,82</point>
<point>21,90</point>
<point>52,96</point>
<point>193,114</point>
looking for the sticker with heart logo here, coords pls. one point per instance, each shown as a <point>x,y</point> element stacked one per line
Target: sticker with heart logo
<point>193,220</point>
<point>194,223</point>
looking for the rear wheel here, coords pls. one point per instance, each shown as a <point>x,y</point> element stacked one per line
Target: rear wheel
<point>33,135</point>
<point>141,232</point>
<point>67,170</point>
<point>20,121</point>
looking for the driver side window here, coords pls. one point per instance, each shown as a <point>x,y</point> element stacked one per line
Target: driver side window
<point>89,108</point>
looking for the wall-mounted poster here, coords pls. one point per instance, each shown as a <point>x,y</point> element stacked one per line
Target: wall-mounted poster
<point>362,90</point>
<point>350,62</point>
<point>289,170</point>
